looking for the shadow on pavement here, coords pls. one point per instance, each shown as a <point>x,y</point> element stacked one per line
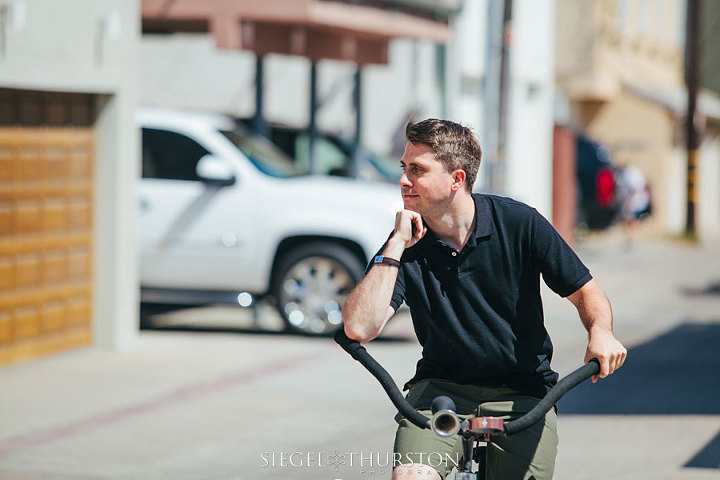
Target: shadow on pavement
<point>677,373</point>
<point>708,457</point>
<point>198,322</point>
<point>215,329</point>
<point>711,289</point>
<point>257,331</point>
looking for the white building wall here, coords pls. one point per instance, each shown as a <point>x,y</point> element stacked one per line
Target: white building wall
<point>79,46</point>
<point>708,215</point>
<point>408,84</point>
<point>467,63</point>
<point>530,104</point>
<point>676,192</point>
<point>707,210</point>
<point>466,70</point>
<point>91,46</point>
<point>287,86</point>
<point>189,71</point>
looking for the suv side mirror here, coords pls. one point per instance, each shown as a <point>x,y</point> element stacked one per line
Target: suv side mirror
<point>214,171</point>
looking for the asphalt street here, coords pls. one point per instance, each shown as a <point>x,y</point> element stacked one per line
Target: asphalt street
<point>214,394</point>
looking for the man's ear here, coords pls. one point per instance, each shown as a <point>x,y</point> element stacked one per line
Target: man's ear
<point>458,176</point>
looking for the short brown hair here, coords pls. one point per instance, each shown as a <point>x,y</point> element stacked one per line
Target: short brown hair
<point>454,145</point>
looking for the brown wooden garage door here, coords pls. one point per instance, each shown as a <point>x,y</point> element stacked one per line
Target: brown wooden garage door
<point>46,228</point>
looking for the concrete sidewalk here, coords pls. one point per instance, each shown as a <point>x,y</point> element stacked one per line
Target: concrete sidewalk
<point>657,417</point>
<point>210,404</point>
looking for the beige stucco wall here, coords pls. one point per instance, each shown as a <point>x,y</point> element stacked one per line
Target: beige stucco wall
<point>598,52</point>
<point>608,49</point>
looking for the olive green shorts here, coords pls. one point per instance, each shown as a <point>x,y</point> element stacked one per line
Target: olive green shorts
<point>525,455</point>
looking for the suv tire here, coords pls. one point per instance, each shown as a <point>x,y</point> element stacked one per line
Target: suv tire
<point>311,283</point>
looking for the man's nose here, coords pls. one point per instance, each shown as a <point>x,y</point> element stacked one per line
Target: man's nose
<point>404,182</point>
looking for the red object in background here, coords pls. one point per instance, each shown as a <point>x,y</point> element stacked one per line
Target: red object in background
<point>605,187</point>
<point>565,183</point>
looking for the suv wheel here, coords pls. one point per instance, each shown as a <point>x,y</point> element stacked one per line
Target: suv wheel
<point>311,284</point>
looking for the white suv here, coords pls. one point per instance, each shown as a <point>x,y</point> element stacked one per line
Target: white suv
<point>224,217</point>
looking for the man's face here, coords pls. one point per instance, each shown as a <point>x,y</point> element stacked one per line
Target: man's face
<point>425,184</point>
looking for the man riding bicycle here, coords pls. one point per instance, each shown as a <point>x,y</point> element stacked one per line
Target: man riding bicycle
<point>468,267</point>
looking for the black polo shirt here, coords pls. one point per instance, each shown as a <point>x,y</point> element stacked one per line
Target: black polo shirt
<point>477,313</point>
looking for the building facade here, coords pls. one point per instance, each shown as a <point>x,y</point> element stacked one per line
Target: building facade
<point>621,71</point>
<point>69,158</point>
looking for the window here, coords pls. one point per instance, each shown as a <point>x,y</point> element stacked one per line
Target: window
<point>266,157</point>
<point>644,14</point>
<point>170,155</point>
<point>329,158</point>
<point>622,17</point>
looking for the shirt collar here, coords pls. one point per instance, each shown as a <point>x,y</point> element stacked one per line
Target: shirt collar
<point>483,216</point>
<point>483,222</point>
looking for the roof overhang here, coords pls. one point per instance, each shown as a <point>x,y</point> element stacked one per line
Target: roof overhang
<point>318,29</point>
<point>675,100</point>
<point>428,7</point>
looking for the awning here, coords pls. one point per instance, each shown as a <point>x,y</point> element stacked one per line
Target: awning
<point>675,100</point>
<point>317,29</point>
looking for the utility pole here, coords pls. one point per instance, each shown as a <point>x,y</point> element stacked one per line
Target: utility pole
<point>312,129</point>
<point>692,135</point>
<point>357,103</point>
<point>259,125</point>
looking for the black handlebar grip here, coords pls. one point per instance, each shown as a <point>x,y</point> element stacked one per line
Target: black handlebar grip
<point>442,403</point>
<point>350,346</point>
<point>359,353</point>
<point>561,388</point>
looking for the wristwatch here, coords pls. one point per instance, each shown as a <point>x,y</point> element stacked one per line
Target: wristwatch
<point>386,261</point>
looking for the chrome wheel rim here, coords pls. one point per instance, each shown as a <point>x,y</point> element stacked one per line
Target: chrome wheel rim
<point>312,294</point>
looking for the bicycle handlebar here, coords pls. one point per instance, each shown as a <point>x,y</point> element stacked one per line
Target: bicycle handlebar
<point>551,397</point>
<point>359,353</point>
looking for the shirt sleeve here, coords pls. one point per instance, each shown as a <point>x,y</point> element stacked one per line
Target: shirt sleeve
<point>398,296</point>
<point>561,268</point>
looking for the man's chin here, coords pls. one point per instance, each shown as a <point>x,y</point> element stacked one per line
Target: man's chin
<point>412,208</point>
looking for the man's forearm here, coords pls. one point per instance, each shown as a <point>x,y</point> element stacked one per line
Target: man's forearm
<point>594,310</point>
<point>596,314</point>
<point>366,309</point>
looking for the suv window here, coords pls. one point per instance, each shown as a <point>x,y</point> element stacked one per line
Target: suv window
<point>329,158</point>
<point>170,155</point>
<point>266,157</point>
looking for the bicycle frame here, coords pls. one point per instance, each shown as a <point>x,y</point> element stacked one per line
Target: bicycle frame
<point>444,420</point>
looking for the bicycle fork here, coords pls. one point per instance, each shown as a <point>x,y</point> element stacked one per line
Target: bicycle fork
<point>474,449</point>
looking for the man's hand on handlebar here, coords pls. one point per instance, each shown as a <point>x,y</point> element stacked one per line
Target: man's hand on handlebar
<point>607,349</point>
<point>595,312</point>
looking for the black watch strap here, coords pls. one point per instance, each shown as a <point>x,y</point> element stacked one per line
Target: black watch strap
<point>386,261</point>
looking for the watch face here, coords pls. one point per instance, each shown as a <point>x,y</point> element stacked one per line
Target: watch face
<point>386,261</point>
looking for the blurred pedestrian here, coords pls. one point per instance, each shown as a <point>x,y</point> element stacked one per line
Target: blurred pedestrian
<point>636,203</point>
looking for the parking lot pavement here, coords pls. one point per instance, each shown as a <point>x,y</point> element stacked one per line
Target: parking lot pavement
<point>214,394</point>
